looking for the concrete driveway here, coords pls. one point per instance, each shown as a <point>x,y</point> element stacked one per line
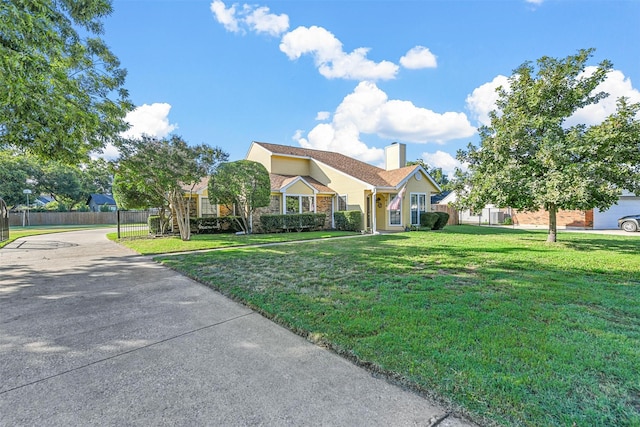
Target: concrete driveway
<point>93,334</point>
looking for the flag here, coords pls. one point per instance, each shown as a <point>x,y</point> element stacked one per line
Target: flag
<point>394,205</point>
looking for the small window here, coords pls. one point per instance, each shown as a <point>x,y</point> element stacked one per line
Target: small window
<point>341,203</point>
<point>206,208</point>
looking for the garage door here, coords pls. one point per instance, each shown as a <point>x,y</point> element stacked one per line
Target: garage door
<point>609,218</point>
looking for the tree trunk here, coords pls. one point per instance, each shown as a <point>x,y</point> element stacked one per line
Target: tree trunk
<point>182,214</point>
<point>553,225</point>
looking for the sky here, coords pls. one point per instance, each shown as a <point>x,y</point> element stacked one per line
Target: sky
<point>353,76</point>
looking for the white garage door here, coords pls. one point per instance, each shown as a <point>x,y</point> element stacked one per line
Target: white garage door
<point>609,218</point>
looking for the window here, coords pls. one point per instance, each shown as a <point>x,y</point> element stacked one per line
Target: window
<point>341,203</point>
<point>299,204</point>
<point>395,215</point>
<point>418,205</point>
<point>206,208</point>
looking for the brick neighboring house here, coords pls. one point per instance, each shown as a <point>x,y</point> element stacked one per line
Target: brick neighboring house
<point>594,219</point>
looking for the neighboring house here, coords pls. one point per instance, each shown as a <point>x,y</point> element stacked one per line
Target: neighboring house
<point>305,180</point>
<point>42,201</point>
<point>595,219</point>
<point>97,201</point>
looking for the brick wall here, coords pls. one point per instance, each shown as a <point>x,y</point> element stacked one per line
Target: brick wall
<point>564,218</point>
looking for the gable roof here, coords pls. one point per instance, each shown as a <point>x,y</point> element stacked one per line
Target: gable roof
<point>362,171</point>
<point>101,199</point>
<point>278,182</point>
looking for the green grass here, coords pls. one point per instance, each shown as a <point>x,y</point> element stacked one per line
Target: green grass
<point>501,325</point>
<point>163,245</point>
<point>18,232</point>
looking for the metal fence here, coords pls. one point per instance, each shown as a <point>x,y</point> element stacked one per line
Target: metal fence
<point>4,221</point>
<point>132,224</point>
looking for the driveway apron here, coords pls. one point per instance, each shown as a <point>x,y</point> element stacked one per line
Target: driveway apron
<point>93,334</point>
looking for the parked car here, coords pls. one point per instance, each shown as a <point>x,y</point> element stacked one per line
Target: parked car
<point>629,223</point>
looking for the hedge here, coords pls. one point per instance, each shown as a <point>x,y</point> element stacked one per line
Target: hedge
<point>153,221</point>
<point>443,218</point>
<point>428,220</point>
<point>348,220</point>
<point>306,221</point>
<point>214,224</point>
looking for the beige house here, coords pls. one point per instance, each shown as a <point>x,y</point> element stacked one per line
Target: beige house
<point>305,180</point>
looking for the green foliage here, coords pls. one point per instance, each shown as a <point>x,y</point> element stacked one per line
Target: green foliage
<point>428,219</point>
<point>62,93</point>
<point>163,171</point>
<point>157,225</point>
<point>215,225</point>
<point>244,184</point>
<point>287,222</point>
<point>348,220</point>
<point>529,158</point>
<point>443,218</point>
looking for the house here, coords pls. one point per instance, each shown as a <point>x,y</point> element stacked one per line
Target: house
<point>306,180</point>
<point>42,201</point>
<point>97,202</point>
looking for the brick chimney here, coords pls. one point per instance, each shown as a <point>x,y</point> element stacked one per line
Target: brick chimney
<point>395,156</point>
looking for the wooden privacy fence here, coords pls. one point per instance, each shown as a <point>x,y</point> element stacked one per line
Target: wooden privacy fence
<point>62,218</point>
<point>454,218</point>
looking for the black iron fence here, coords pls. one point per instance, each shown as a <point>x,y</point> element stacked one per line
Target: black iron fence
<point>4,221</point>
<point>133,224</point>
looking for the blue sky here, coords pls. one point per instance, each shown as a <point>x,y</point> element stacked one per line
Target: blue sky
<point>352,76</point>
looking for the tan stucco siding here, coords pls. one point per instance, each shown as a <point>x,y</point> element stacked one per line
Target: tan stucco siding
<point>342,184</point>
<point>259,154</point>
<point>299,188</point>
<point>289,166</point>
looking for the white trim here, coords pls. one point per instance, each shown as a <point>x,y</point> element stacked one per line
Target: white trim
<point>295,181</point>
<point>389,199</point>
<point>418,203</point>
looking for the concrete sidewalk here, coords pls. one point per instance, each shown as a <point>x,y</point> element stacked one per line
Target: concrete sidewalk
<point>93,334</point>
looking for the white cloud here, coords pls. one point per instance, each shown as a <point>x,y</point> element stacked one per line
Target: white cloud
<point>261,21</point>
<point>535,2</point>
<point>616,85</point>
<point>257,19</point>
<point>151,120</point>
<point>227,17</point>
<point>443,160</point>
<point>367,110</point>
<point>483,99</point>
<point>323,115</point>
<point>329,57</point>
<point>419,57</point>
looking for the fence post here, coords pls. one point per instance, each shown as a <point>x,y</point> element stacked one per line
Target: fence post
<point>118,221</point>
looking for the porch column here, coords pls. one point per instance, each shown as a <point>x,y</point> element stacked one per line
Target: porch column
<point>374,204</point>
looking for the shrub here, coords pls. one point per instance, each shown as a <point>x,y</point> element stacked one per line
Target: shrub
<point>154,224</point>
<point>214,224</point>
<point>348,220</point>
<point>443,218</point>
<point>507,221</point>
<point>428,220</point>
<point>306,221</point>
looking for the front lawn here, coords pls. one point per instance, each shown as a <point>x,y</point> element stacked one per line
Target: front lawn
<point>496,322</point>
<point>169,244</point>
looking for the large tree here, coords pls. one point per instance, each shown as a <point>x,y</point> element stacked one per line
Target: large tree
<point>244,184</point>
<point>62,93</point>
<point>530,159</point>
<point>165,169</point>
